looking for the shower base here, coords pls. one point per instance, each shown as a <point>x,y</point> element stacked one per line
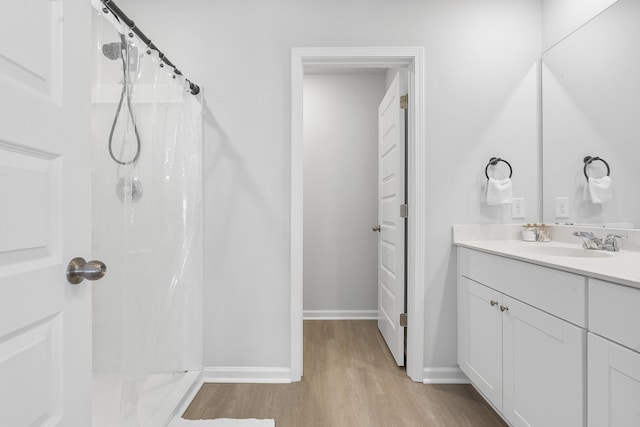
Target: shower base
<point>163,396</point>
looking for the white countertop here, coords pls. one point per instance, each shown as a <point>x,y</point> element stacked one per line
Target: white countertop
<point>620,267</point>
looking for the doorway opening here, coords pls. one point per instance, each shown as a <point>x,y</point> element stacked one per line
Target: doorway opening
<point>340,196</point>
<point>411,59</point>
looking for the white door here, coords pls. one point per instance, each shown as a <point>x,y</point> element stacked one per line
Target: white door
<point>614,384</point>
<point>45,322</point>
<point>544,368</point>
<point>391,240</point>
<point>480,337</point>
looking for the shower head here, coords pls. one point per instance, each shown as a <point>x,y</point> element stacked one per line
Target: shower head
<point>113,50</point>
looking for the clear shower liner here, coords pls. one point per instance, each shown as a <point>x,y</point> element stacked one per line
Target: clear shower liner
<point>147,216</point>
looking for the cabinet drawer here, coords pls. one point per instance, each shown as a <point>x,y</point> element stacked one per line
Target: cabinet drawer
<point>557,292</point>
<point>614,312</point>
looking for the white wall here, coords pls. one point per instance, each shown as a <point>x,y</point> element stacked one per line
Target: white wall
<point>481,101</point>
<point>561,17</point>
<point>340,193</point>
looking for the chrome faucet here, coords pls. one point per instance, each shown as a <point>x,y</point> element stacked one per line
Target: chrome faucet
<point>610,242</point>
<point>591,241</point>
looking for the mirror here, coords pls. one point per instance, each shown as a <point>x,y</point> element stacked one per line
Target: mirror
<point>591,107</point>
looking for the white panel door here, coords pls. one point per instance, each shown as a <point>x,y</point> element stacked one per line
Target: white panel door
<point>480,338</point>
<point>544,370</point>
<point>391,239</point>
<point>614,384</point>
<point>45,323</point>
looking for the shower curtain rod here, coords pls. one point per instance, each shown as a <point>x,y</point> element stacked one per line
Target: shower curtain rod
<point>110,6</point>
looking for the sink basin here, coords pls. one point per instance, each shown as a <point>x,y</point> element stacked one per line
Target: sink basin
<point>563,251</point>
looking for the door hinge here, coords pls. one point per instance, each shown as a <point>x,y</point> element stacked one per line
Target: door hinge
<point>404,211</point>
<point>403,320</point>
<point>404,102</point>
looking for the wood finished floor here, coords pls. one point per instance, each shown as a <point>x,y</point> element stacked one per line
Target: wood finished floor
<point>350,380</point>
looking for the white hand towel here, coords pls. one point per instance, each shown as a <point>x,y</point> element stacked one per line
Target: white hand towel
<point>600,189</point>
<point>499,191</point>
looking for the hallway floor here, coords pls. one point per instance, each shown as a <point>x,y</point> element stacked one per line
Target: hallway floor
<point>350,380</point>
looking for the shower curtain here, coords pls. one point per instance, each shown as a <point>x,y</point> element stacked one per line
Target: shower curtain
<point>147,192</point>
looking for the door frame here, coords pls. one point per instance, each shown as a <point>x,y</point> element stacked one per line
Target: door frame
<point>364,57</point>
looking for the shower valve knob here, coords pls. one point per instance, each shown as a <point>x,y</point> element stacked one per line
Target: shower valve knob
<point>79,269</point>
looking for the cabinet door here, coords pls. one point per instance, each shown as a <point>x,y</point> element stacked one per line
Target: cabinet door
<point>480,338</point>
<point>614,384</point>
<point>544,368</point>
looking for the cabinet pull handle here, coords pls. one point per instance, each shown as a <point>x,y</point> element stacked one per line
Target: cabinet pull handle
<point>493,302</point>
<point>504,308</point>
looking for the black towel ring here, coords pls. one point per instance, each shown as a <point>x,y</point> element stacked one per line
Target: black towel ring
<point>494,161</point>
<point>588,160</point>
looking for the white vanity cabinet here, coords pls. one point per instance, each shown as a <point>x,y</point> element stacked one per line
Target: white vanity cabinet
<point>614,358</point>
<point>521,338</point>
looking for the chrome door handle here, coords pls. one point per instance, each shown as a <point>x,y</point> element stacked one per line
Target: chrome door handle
<point>493,302</point>
<point>79,269</point>
<point>504,308</point>
<point>376,228</point>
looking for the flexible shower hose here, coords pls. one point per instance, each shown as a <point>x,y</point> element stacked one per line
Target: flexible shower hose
<point>125,91</point>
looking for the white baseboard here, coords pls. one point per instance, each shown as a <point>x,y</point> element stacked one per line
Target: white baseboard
<point>444,376</point>
<point>340,314</point>
<point>246,375</point>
